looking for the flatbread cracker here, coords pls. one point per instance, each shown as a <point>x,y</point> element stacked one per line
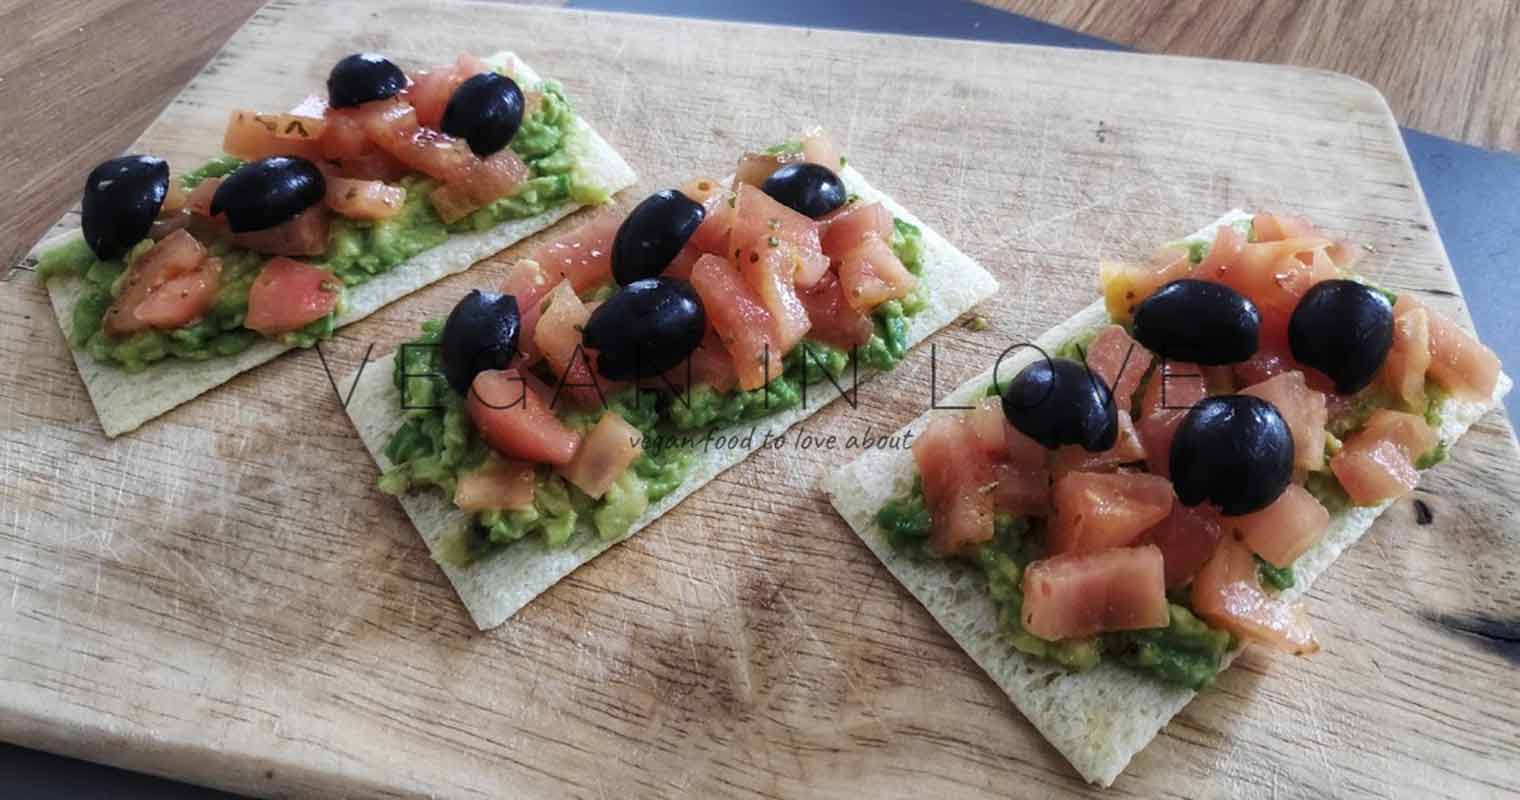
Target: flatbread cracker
<point>1099,719</point>
<point>498,586</point>
<point>123,401</point>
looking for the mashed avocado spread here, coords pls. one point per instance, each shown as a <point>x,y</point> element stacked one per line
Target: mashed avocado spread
<point>356,252</point>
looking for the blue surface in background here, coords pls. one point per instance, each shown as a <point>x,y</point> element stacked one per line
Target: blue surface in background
<point>1474,195</point>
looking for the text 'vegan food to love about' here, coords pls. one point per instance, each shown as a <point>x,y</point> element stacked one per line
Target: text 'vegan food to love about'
<point>559,412</point>
<point>1155,485</point>
<point>310,220</point>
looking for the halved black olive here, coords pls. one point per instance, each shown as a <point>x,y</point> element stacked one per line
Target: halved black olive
<point>1200,322</point>
<point>1058,401</point>
<point>485,111</point>
<point>122,197</point>
<point>1343,329</point>
<point>480,334</point>
<point>645,328</point>
<point>810,189</point>
<point>362,77</point>
<point>264,193</point>
<point>652,235</point>
<point>1234,451</point>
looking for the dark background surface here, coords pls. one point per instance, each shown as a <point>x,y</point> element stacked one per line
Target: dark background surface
<point>1474,195</point>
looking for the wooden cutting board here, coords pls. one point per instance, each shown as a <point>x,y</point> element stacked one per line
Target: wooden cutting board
<point>224,597</point>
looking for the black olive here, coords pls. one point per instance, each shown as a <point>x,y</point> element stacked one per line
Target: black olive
<point>652,235</point>
<point>645,328</point>
<point>1058,401</point>
<point>362,77</point>
<point>810,189</point>
<point>1234,451</point>
<point>480,334</point>
<point>1343,329</point>
<point>122,197</point>
<point>1199,322</point>
<point>485,111</point>
<point>264,193</point>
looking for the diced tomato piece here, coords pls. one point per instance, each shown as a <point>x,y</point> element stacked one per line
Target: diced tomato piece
<point>1463,366</point>
<point>431,88</point>
<point>1126,285</point>
<point>1403,371</point>
<point>558,336</point>
<point>713,234</point>
<point>758,220</point>
<point>682,264</point>
<point>499,483</point>
<point>177,199</point>
<point>1173,386</point>
<point>1120,361</point>
<point>754,168</point>
<point>1020,491</point>
<point>1274,228</point>
<point>343,136</point>
<point>199,201</point>
<point>871,274</point>
<point>584,255</point>
<point>516,421</point>
<point>709,365</point>
<point>1082,594</point>
<point>1227,594</point>
<point>1265,363</point>
<point>737,314</point>
<point>305,235</point>
<point>252,136</point>
<point>1127,449</point>
<point>986,420</point>
<point>1096,511</point>
<point>1023,451</point>
<point>287,295</point>
<point>768,271</point>
<point>1273,275</point>
<point>835,321</point>
<point>392,126</point>
<point>1305,412</point>
<point>1223,252</point>
<point>1156,432</point>
<point>1187,538</point>
<point>958,484</point>
<point>1377,461</point>
<point>604,455</point>
<point>818,148</point>
<point>527,282</point>
<point>365,200</point>
<point>845,229</point>
<point>1343,255</point>
<point>170,285</point>
<point>1284,530</point>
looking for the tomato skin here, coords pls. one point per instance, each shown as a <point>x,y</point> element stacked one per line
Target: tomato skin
<point>287,295</point>
<point>1096,511</point>
<point>956,475</point>
<point>1083,594</point>
<point>604,455</point>
<point>516,422</point>
<point>170,285</point>
<point>499,483</point>
<point>740,319</point>
<point>1227,594</point>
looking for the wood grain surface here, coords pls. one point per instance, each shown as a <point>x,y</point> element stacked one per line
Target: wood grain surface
<point>1447,67</point>
<point>224,596</point>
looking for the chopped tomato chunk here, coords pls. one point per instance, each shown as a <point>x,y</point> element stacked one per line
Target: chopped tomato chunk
<point>769,272</point>
<point>1156,431</point>
<point>366,200</point>
<point>709,364</point>
<point>871,274</point>
<point>740,319</point>
<point>305,235</point>
<point>170,285</point>
<point>604,455</point>
<point>516,422</point>
<point>1462,365</point>
<point>845,229</point>
<point>958,484</point>
<point>1083,594</point>
<point>1127,449</point>
<point>818,148</point>
<point>1403,371</point>
<point>252,136</point>
<point>1173,386</point>
<point>499,483</point>
<point>754,168</point>
<point>1120,361</point>
<point>1021,491</point>
<point>1187,538</point>
<point>1377,461</point>
<point>986,420</point>
<point>199,200</point>
<point>1227,594</point>
<point>760,222</point>
<point>584,255</point>
<point>1126,285</point>
<point>1305,412</point>
<point>287,295</point>
<point>1274,228</point>
<point>431,88</point>
<point>835,321</point>
<point>558,337</point>
<point>1096,511</point>
<point>1284,530</point>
